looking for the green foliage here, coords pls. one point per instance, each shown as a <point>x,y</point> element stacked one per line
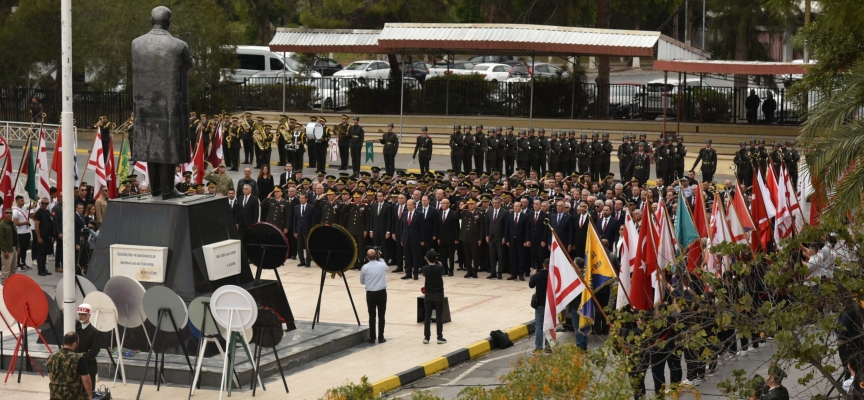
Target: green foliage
<point>365,14</point>
<point>363,391</point>
<point>375,96</point>
<point>299,95</point>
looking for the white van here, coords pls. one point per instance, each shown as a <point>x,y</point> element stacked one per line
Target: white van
<point>259,62</point>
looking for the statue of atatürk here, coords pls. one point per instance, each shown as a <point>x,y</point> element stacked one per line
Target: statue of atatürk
<point>160,66</point>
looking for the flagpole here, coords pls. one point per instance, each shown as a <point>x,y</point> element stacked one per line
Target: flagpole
<point>660,276</point>
<point>27,151</point>
<point>619,267</point>
<point>794,226</point>
<point>578,271</point>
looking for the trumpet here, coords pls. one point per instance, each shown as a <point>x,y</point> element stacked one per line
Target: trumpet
<point>125,126</point>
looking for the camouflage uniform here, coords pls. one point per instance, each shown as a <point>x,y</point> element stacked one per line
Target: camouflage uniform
<point>223,182</point>
<point>65,380</point>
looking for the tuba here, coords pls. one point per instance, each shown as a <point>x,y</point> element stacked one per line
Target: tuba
<point>244,124</point>
<point>259,139</point>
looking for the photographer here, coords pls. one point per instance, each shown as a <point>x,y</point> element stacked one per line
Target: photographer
<point>374,276</point>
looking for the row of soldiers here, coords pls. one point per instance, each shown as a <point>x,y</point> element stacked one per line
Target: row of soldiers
<point>748,158</point>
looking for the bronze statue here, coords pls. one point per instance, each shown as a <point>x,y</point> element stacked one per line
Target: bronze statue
<point>161,64</point>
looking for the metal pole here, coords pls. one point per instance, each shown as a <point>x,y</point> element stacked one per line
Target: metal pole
<point>67,194</point>
<point>573,94</point>
<point>665,96</point>
<point>284,79</point>
<point>531,106</point>
<point>447,91</point>
<point>686,20</point>
<point>704,31</point>
<point>401,97</point>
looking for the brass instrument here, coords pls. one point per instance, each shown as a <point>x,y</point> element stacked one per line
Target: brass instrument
<point>244,124</point>
<point>125,126</point>
<point>259,138</point>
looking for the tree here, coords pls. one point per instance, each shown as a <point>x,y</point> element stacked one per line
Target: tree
<point>264,13</point>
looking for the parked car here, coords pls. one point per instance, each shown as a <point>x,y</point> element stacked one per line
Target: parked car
<point>458,67</point>
<point>326,66</point>
<point>539,69</point>
<point>370,69</point>
<point>624,100</point>
<point>260,62</point>
<point>332,94</point>
<point>654,92</point>
<point>509,60</point>
<point>416,69</point>
<point>492,72</point>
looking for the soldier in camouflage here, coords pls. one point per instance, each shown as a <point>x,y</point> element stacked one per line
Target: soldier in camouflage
<point>67,370</point>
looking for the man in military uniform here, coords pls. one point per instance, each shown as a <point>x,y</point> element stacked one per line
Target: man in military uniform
<point>661,160</point>
<point>321,146</point>
<point>762,157</point>
<point>457,143</point>
<point>534,158</point>
<point>511,147</point>
<point>186,183</point>
<point>355,218</point>
<point>232,144</point>
<point>605,155</point>
<point>267,149</point>
<point>471,233</point>
<point>329,209</point>
<point>523,155</point>
<point>792,157</point>
<point>625,154</point>
<point>424,147</point>
<point>221,179</point>
<point>282,140</point>
<point>543,151</point>
<point>468,148</point>
<point>564,158</point>
<point>492,142</point>
<point>297,159</point>
<point>596,158</point>
<point>680,152</point>
<point>640,166</point>
<point>357,139</point>
<point>344,141</point>
<point>776,157</point>
<point>207,130</point>
<point>586,154</point>
<point>391,147</point>
<point>480,147</point>
<point>277,211</point>
<point>70,377</point>
<point>555,153</point>
<point>246,130</point>
<point>708,156</point>
<point>310,143</point>
<point>743,170</point>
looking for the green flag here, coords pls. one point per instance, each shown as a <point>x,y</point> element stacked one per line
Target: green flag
<point>370,155</point>
<point>123,170</point>
<point>685,231</point>
<point>30,184</point>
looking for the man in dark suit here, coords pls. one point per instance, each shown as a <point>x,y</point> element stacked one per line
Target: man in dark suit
<point>410,237</point>
<point>535,235</point>
<point>562,222</point>
<point>427,229</point>
<point>496,225</point>
<point>250,210</point>
<point>580,230</point>
<point>288,174</point>
<point>304,220</point>
<point>234,204</point>
<point>291,200</point>
<point>447,228</point>
<point>379,223</point>
<point>396,213</point>
<point>607,226</point>
<point>515,229</point>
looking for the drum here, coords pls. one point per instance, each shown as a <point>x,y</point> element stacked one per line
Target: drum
<point>314,130</point>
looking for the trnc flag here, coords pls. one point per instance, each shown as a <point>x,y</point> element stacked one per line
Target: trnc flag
<point>97,164</point>
<point>6,179</point>
<point>332,150</point>
<point>141,168</point>
<point>562,287</point>
<point>719,235</point>
<point>598,272</point>
<point>783,223</point>
<point>628,257</point>
<point>645,265</point>
<point>759,214</point>
<point>667,245</point>
<point>123,167</point>
<point>43,186</point>
<point>768,187</point>
<point>370,155</point>
<point>793,203</point>
<point>216,153</point>
<point>111,171</point>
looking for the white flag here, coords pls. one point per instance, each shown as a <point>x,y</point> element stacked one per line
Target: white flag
<point>628,257</point>
<point>43,168</point>
<point>97,164</point>
<point>562,287</point>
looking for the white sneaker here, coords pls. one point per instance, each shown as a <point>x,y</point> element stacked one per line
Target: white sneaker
<point>697,382</point>
<point>442,341</point>
<point>425,341</point>
<point>686,382</point>
<point>711,372</point>
<point>742,353</point>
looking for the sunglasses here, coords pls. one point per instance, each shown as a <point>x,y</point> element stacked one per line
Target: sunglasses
<point>7,212</point>
<point>44,204</point>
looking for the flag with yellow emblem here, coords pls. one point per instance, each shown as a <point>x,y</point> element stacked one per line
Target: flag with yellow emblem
<point>598,273</point>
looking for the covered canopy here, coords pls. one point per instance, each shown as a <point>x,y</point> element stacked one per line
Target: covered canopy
<point>419,38</point>
<point>730,67</point>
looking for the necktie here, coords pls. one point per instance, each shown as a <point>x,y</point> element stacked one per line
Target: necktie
<point>559,219</point>
<point>424,211</point>
<point>517,219</point>
<point>495,216</point>
<point>245,199</point>
<point>605,220</point>
<point>444,218</point>
<point>535,218</point>
<point>582,221</point>
<point>302,210</point>
<point>379,209</point>
<point>400,212</point>
<point>409,219</point>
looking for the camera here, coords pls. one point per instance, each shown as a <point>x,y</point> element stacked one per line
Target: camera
<point>378,252</point>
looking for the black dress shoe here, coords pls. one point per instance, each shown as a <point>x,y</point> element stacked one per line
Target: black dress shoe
<point>521,278</point>
<point>381,340</point>
<point>500,277</point>
<point>406,277</point>
<point>493,276</point>
<point>468,275</point>
<point>301,265</point>
<point>450,273</point>
<point>399,270</point>
<point>512,278</point>
<point>474,276</point>
<point>43,274</point>
<point>416,278</point>
<point>371,341</point>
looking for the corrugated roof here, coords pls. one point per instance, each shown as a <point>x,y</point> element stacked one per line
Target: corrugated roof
<point>730,67</point>
<point>303,40</point>
<point>418,38</point>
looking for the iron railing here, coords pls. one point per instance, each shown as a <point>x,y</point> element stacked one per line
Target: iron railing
<point>552,98</point>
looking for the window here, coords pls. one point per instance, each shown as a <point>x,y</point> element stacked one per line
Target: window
<point>250,61</point>
<point>332,63</point>
<point>555,69</point>
<point>499,68</point>
<point>542,68</point>
<point>357,66</point>
<point>381,65</point>
<point>275,64</point>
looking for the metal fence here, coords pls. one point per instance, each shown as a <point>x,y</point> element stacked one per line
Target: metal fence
<point>552,98</point>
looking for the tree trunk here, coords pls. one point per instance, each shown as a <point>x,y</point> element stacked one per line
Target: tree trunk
<point>741,50</point>
<point>395,71</point>
<point>602,79</point>
<point>263,30</point>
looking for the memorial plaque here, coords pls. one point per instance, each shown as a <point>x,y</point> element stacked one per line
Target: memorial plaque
<point>142,263</point>
<point>222,259</point>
